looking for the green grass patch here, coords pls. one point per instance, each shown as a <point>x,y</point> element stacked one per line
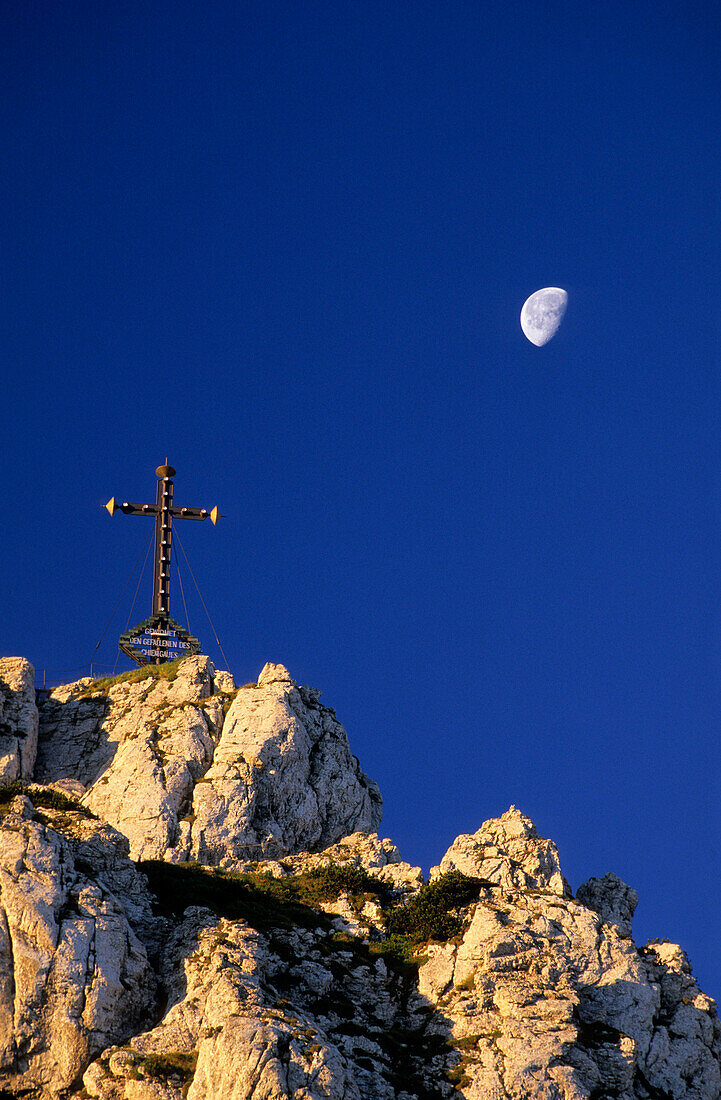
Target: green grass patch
<point>399,951</point>
<point>327,883</point>
<point>172,1064</point>
<point>470,1042</point>
<point>42,798</point>
<point>167,671</point>
<point>267,902</point>
<point>458,1076</point>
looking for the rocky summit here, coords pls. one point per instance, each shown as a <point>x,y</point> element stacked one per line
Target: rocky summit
<point>195,902</point>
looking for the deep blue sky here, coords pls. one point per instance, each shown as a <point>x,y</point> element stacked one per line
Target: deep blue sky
<point>286,245</point>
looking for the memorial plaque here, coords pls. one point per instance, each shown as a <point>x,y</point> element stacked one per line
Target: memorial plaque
<point>158,637</point>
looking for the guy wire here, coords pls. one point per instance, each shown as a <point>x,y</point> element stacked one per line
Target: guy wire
<point>137,589</point>
<point>118,603</point>
<point>182,590</point>
<point>190,570</point>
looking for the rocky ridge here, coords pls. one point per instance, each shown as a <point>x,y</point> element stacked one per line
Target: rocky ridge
<point>192,768</point>
<point>273,946</point>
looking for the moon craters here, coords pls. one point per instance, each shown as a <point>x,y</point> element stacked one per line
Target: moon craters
<point>542,314</point>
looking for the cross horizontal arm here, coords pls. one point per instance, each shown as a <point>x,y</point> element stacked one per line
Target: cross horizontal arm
<point>131,509</point>
<point>189,513</point>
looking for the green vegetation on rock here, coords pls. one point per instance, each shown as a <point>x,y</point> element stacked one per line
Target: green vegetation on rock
<point>432,913</point>
<point>167,671</point>
<point>172,1064</point>
<point>42,798</point>
<point>266,903</point>
<point>263,901</point>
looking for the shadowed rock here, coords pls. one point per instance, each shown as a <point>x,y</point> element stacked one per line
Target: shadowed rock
<point>612,899</point>
<point>18,719</point>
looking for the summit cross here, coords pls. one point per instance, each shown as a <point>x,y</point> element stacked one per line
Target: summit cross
<point>164,513</point>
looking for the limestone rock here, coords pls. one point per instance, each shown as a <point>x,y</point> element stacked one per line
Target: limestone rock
<point>539,1000</point>
<point>138,749</point>
<point>612,899</point>
<point>507,851</point>
<point>223,681</point>
<point>515,989</point>
<point>251,1057</point>
<point>683,1057</point>
<point>275,674</point>
<point>18,719</point>
<point>547,1002</point>
<point>540,996</point>
<point>287,1014</point>
<point>282,779</point>
<point>161,762</point>
<point>74,977</point>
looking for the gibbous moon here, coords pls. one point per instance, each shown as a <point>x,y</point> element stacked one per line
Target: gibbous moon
<point>542,314</point>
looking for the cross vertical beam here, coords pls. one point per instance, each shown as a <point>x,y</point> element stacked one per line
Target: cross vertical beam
<point>163,540</point>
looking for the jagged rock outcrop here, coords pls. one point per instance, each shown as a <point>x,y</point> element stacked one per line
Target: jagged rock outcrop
<point>74,976</point>
<point>612,899</point>
<point>509,852</point>
<point>282,779</point>
<point>18,719</point>
<point>538,998</point>
<point>682,1059</point>
<point>265,1014</point>
<point>280,970</point>
<point>138,749</point>
<point>551,999</point>
<point>161,762</point>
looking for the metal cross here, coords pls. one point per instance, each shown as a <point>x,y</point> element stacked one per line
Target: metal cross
<point>164,514</point>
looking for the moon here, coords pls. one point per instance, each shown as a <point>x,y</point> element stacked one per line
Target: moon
<point>542,314</point>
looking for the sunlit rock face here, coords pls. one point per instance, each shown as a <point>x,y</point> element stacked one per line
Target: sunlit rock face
<point>193,768</point>
<point>509,852</point>
<point>18,719</point>
<point>138,749</point>
<point>75,977</point>
<point>551,998</point>
<point>328,970</point>
<point>282,779</point>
